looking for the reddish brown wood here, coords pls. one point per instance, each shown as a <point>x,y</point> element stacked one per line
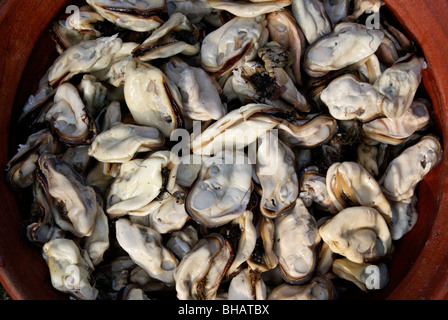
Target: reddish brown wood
<point>419,268</point>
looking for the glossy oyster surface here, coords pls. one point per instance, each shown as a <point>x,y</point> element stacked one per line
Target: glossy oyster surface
<point>141,184</point>
<point>69,118</point>
<point>348,44</point>
<point>152,98</point>
<point>320,288</point>
<point>122,142</point>
<point>175,36</point>
<point>358,233</point>
<point>199,91</point>
<point>275,169</point>
<point>236,41</point>
<point>349,184</point>
<point>248,9</point>
<point>312,18</point>
<point>66,188</point>
<point>140,16</point>
<point>87,56</point>
<point>409,168</point>
<point>70,268</point>
<point>201,270</point>
<point>144,245</point>
<point>296,238</point>
<point>222,190</point>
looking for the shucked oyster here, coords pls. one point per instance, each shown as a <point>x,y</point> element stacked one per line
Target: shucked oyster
<point>393,131</point>
<point>349,184</point>
<point>264,258</point>
<point>222,190</point>
<point>87,56</point>
<point>194,10</point>
<point>76,201</point>
<point>146,249</point>
<point>247,285</point>
<point>152,98</point>
<point>236,130</point>
<point>398,84</point>
<point>141,183</point>
<point>358,233</point>
<point>275,169</point>
<point>249,9</point>
<point>199,91</point>
<point>22,167</point>
<point>70,268</point>
<point>136,15</point>
<point>236,41</point>
<point>246,243</point>
<point>312,18</point>
<point>296,239</point>
<point>349,44</point>
<point>361,274</point>
<point>319,288</point>
<point>409,168</point>
<point>69,117</point>
<point>122,142</point>
<point>201,270</point>
<point>348,98</point>
<point>284,30</point>
<point>176,36</point>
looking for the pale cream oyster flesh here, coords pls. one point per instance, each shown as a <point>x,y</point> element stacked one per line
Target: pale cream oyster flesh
<point>235,42</point>
<point>70,268</point>
<point>296,238</point>
<point>236,130</point>
<point>337,10</point>
<point>136,15</point>
<point>224,150</point>
<point>152,98</point>
<point>201,270</point>
<point>348,98</point>
<point>144,245</point>
<point>358,233</point>
<point>22,166</point>
<point>69,118</point>
<point>263,257</point>
<point>66,187</point>
<point>313,190</point>
<point>194,10</point>
<point>222,190</point>
<point>394,131</point>
<point>405,216</point>
<point>141,184</point>
<point>409,168</point>
<point>247,285</point>
<point>246,243</point>
<point>122,142</point>
<point>283,29</point>
<point>366,276</point>
<point>319,288</point>
<point>349,184</point>
<point>248,8</point>
<point>87,56</point>
<point>348,44</point>
<point>398,84</point>
<point>199,91</point>
<point>312,18</point>
<point>176,36</point>
<point>275,169</point>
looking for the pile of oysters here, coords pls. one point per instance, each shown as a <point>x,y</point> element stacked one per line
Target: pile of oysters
<point>212,149</point>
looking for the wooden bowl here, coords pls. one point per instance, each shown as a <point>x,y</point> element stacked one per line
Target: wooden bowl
<point>418,268</point>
